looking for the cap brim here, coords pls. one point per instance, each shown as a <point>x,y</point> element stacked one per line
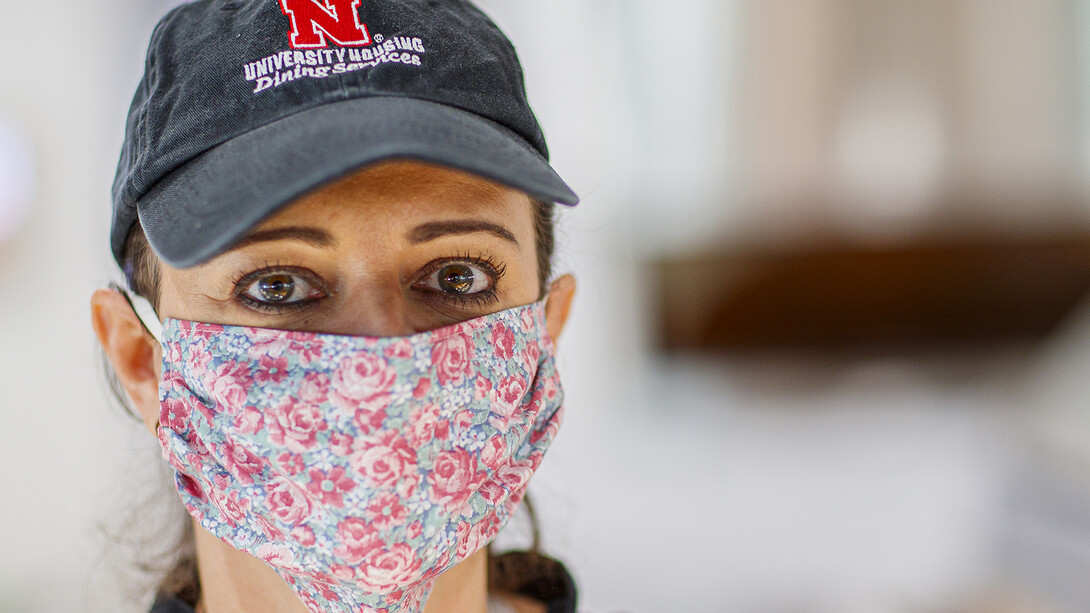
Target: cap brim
<point>206,205</point>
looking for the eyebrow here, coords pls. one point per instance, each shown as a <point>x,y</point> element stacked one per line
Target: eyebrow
<point>435,229</point>
<point>314,236</point>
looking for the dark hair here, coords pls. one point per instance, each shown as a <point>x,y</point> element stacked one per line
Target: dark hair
<point>508,572</point>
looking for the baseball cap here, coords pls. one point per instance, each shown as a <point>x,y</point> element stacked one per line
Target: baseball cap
<point>244,106</point>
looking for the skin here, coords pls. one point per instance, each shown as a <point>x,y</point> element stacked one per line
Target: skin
<point>368,261</point>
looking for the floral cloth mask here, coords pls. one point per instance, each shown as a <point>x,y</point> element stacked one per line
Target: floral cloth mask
<point>359,468</point>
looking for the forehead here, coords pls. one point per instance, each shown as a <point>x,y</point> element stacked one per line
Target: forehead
<point>405,192</point>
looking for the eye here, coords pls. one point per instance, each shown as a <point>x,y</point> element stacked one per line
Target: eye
<point>459,279</point>
<point>272,288</point>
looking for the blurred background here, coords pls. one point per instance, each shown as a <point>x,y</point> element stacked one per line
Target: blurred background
<point>831,349</point>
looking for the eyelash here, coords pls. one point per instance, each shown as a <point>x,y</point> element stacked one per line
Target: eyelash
<point>245,280</point>
<point>495,270</point>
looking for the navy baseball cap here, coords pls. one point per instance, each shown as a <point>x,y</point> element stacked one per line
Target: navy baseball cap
<point>246,105</point>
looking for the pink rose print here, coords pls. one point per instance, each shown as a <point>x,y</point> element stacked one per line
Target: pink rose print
<point>341,443</point>
<point>277,555</point>
<point>401,350</point>
<point>174,381</point>
<point>361,382</point>
<point>204,332</point>
<point>221,482</point>
<point>385,461</point>
<point>313,389</point>
<point>272,370</point>
<point>527,321</point>
<point>190,462</point>
<point>473,537</point>
<point>342,572</point>
<point>442,562</point>
<point>386,511</point>
<point>356,540</point>
<point>442,429</point>
<point>233,508</point>
<point>531,354</point>
<point>296,425</point>
<point>287,503</point>
<point>415,600</point>
<point>326,592</point>
<point>369,420</point>
<point>174,354</point>
<point>174,414</point>
<point>550,430</point>
<point>265,342</point>
<point>389,568</point>
<point>503,425</point>
<point>305,346</point>
<point>422,388</point>
<point>240,462</point>
<point>317,466</point>
<point>551,388</point>
<point>503,341</point>
<point>267,528</point>
<point>198,359</point>
<point>509,393</point>
<point>481,387</point>
<point>248,421</point>
<point>537,455</point>
<point>290,463</point>
<point>494,452</point>
<point>515,475</point>
<point>206,412</point>
<point>451,358</point>
<point>454,478</point>
<point>463,420</point>
<point>512,389</point>
<point>422,424</point>
<point>492,491</point>
<point>330,487</point>
<point>514,499</point>
<point>228,385</point>
<point>304,535</point>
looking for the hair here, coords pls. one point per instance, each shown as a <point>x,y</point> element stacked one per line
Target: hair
<point>509,572</point>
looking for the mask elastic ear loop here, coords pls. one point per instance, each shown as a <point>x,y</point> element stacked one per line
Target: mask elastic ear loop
<point>144,312</point>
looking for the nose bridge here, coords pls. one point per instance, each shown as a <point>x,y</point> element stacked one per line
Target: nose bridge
<point>375,307</point>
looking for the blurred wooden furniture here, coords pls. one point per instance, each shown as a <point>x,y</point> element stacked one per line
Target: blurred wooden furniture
<point>834,296</point>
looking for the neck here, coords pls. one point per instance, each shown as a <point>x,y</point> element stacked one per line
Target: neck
<point>233,581</point>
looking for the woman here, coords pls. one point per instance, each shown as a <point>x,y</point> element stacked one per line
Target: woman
<point>342,214</point>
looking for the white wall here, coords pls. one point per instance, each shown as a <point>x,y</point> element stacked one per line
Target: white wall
<point>58,432</point>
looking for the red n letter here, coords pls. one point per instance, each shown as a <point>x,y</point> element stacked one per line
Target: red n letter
<point>313,20</point>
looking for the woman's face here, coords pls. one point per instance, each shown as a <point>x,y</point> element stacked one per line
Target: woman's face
<point>393,250</point>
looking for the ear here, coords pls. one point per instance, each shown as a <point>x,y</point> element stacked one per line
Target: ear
<point>558,304</point>
<point>133,353</point>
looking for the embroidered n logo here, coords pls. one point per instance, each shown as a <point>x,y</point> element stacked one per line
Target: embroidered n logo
<point>313,20</point>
